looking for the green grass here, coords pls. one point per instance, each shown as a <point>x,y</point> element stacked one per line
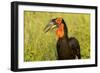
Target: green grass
<point>40,46</point>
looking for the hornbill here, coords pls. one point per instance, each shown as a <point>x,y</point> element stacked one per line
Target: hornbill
<point>67,47</point>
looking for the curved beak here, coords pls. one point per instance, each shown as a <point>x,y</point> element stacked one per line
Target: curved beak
<point>50,26</point>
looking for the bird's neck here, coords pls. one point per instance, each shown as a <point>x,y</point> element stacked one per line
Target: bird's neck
<point>61,32</point>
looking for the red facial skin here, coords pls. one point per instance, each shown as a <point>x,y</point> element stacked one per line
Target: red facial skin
<point>60,29</point>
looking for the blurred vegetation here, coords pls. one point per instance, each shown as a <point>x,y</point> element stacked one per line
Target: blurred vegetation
<point>40,46</point>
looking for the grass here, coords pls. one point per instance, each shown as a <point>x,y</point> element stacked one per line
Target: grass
<point>40,46</point>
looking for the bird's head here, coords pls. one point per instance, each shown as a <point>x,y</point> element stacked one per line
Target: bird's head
<point>58,24</point>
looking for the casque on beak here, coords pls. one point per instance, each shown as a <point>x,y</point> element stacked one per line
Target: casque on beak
<point>50,26</point>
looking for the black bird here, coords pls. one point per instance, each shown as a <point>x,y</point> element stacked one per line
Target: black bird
<point>67,47</point>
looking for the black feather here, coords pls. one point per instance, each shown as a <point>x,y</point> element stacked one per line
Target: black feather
<point>68,48</point>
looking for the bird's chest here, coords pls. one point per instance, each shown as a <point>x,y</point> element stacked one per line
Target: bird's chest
<point>64,50</point>
<point>63,44</point>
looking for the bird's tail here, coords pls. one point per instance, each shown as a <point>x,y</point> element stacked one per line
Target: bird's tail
<point>78,52</point>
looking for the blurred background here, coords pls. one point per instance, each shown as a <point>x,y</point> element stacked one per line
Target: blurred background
<point>40,46</point>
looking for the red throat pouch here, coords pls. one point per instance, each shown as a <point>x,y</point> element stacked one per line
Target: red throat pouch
<point>60,31</point>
